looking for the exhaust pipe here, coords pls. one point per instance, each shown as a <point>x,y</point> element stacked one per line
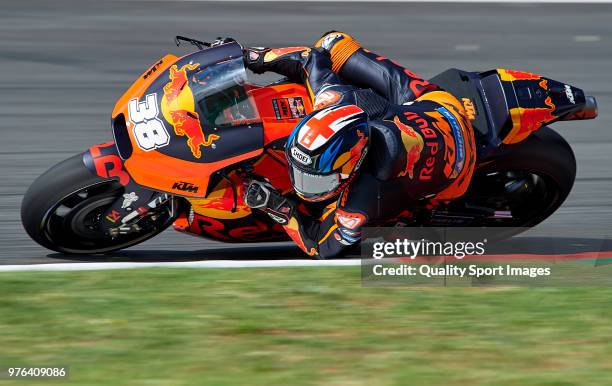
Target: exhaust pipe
<point>589,111</point>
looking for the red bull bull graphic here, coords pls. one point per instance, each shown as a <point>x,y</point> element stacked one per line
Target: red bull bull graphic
<point>220,202</point>
<point>528,115</point>
<point>512,75</point>
<point>413,143</point>
<point>178,108</point>
<point>349,160</point>
<point>527,120</point>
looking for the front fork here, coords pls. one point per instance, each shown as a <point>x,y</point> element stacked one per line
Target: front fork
<point>126,213</point>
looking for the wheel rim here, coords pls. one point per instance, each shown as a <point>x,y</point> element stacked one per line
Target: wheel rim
<point>73,224</point>
<point>529,196</point>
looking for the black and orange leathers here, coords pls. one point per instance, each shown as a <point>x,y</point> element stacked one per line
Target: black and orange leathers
<point>422,144</point>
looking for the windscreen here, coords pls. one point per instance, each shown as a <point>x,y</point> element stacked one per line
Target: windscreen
<point>221,96</point>
<point>194,118</point>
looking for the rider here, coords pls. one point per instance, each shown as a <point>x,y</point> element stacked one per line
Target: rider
<point>418,141</point>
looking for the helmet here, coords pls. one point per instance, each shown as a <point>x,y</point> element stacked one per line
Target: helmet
<point>325,151</point>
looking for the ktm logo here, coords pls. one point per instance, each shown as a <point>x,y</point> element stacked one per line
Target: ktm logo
<point>152,69</point>
<point>185,187</point>
<point>468,105</point>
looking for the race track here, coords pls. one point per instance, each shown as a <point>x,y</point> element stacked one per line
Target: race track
<point>64,63</point>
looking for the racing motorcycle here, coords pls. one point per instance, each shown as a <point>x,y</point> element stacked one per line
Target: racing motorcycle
<point>191,130</point>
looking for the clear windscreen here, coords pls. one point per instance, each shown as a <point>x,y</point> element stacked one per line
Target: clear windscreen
<point>219,90</point>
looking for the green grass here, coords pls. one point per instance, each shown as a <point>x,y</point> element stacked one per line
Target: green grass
<point>299,327</point>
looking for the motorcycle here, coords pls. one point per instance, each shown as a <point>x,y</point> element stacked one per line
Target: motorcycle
<point>191,130</point>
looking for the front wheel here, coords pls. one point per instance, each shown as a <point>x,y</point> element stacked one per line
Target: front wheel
<point>63,207</point>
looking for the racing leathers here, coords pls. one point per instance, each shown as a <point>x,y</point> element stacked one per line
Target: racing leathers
<point>422,149</point>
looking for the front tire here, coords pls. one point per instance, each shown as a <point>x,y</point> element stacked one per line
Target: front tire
<point>62,208</point>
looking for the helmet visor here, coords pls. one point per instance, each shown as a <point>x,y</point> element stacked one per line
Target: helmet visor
<point>314,185</point>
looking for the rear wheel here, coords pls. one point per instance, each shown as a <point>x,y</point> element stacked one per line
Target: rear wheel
<point>529,180</point>
<point>63,208</point>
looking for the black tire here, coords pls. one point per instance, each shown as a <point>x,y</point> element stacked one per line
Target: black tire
<point>71,181</point>
<point>544,154</point>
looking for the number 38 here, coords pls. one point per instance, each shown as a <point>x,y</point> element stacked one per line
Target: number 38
<point>149,131</point>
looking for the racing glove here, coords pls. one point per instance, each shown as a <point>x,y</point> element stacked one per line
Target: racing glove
<point>222,40</point>
<point>261,195</point>
<point>254,58</point>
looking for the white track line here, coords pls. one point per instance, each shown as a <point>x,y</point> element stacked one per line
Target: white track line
<point>419,1</point>
<point>182,264</point>
<point>467,47</point>
<point>587,38</point>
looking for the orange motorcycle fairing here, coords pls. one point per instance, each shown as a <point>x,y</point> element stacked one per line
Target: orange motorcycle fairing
<point>143,83</point>
<point>281,107</point>
<point>177,176</point>
<point>254,228</point>
<point>535,101</point>
<point>212,215</point>
<point>187,118</point>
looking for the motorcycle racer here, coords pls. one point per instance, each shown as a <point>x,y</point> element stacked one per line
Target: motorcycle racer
<point>380,143</point>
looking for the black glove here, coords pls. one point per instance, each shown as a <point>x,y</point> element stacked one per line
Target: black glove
<point>254,58</point>
<point>263,196</point>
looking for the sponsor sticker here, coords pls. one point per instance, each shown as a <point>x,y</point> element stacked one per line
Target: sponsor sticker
<point>459,141</point>
<point>289,108</point>
<point>570,94</point>
<point>278,219</point>
<point>326,98</point>
<point>469,107</point>
<point>113,216</point>
<point>185,187</point>
<point>129,199</point>
<point>148,129</point>
<point>350,220</point>
<point>300,156</point>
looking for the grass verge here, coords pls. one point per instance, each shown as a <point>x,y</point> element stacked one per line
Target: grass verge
<point>298,326</point>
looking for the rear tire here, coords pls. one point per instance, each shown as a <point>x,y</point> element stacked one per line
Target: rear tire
<point>549,161</point>
<point>59,210</point>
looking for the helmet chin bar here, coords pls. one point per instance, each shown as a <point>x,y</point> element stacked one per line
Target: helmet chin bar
<point>326,196</point>
<point>319,198</point>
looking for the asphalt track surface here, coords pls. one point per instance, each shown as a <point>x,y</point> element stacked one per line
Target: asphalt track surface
<point>64,63</point>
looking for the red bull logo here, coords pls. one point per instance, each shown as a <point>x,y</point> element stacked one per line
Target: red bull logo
<point>413,143</point>
<point>527,120</point>
<point>512,75</point>
<point>179,110</point>
<point>355,155</point>
<point>219,203</point>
